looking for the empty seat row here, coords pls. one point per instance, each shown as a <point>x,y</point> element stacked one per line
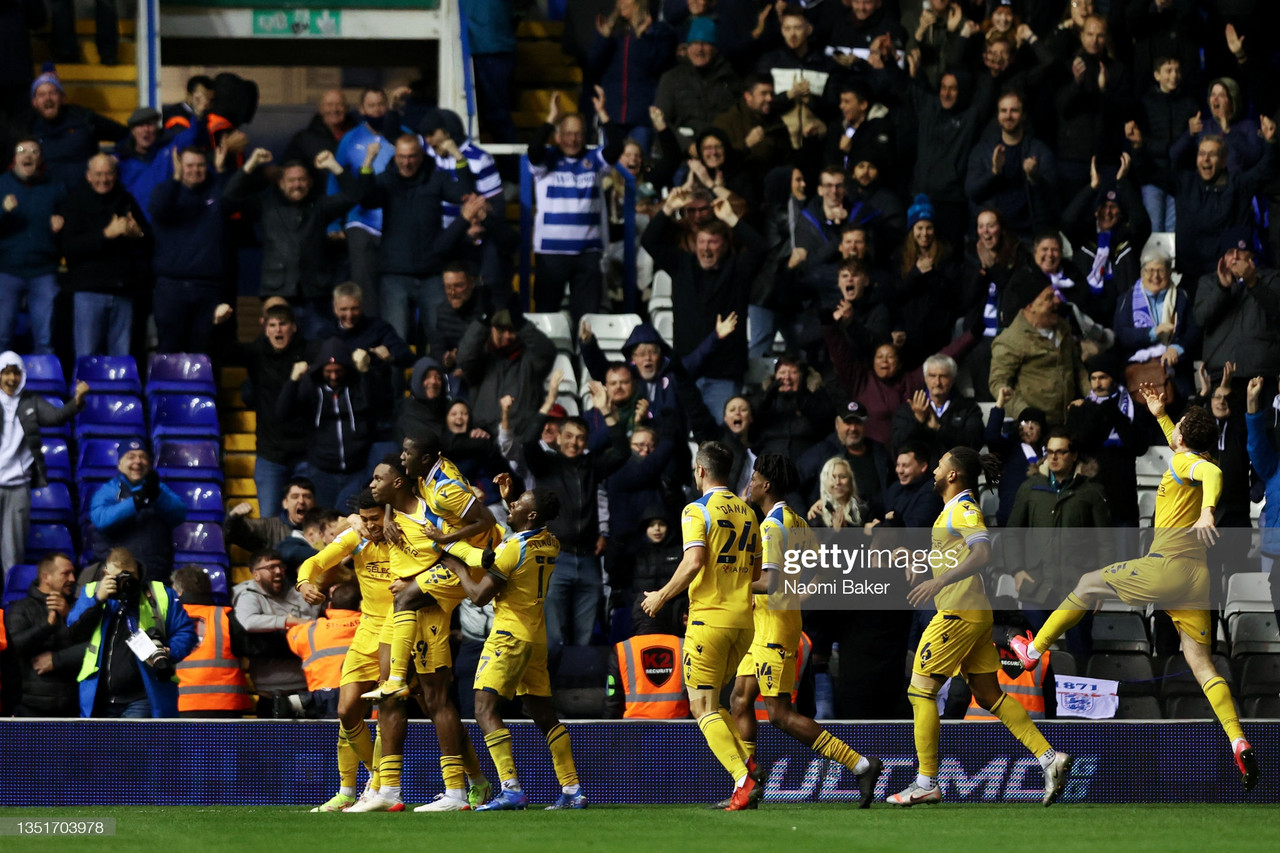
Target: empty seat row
<point>167,373</point>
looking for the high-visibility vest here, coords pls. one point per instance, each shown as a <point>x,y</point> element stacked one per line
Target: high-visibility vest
<point>210,678</point>
<point>650,668</point>
<point>322,644</point>
<point>158,597</point>
<point>802,659</point>
<point>1027,688</point>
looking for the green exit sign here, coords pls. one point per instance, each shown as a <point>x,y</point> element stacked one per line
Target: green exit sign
<point>297,23</point>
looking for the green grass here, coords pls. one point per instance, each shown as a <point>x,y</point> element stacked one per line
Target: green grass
<point>947,828</point>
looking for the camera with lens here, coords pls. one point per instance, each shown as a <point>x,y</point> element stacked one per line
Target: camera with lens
<point>127,586</point>
<point>161,664</point>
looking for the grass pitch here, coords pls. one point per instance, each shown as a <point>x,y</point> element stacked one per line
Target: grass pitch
<point>948,828</point>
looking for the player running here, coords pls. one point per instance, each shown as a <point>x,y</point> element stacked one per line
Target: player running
<point>1174,574</point>
<point>514,660</point>
<point>957,640</point>
<point>721,560</point>
<point>769,667</point>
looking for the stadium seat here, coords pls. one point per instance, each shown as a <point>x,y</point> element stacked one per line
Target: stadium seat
<point>555,325</point>
<point>86,488</point>
<point>180,373</point>
<point>1189,708</point>
<point>19,580</point>
<point>45,539</point>
<point>1178,679</point>
<point>44,375</point>
<point>1262,708</point>
<point>569,379</point>
<point>1146,505</point>
<point>188,460</point>
<point>1115,605</point>
<point>218,583</point>
<point>62,430</point>
<point>759,373</point>
<point>97,458</point>
<point>199,542</point>
<point>1120,632</point>
<point>57,459</point>
<point>1152,465</point>
<point>1260,676</point>
<point>184,416</point>
<point>1132,671</point>
<point>570,403</point>
<point>1255,634</point>
<point>664,323</point>
<point>1247,592</point>
<point>580,681</point>
<point>203,500</point>
<point>108,374</point>
<point>52,505</point>
<point>1136,707</point>
<point>1064,663</point>
<point>109,415</point>
<point>660,296</point>
<point>612,330</point>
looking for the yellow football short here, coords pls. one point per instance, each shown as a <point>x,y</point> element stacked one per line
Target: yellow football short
<point>953,646</point>
<point>442,585</point>
<point>773,666</point>
<point>513,667</point>
<point>1177,585</point>
<point>361,662</point>
<point>711,654</point>
<point>431,653</point>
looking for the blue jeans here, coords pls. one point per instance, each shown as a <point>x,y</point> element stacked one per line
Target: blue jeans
<point>573,599</point>
<point>40,292</point>
<point>269,478</point>
<point>717,392</point>
<point>398,291</point>
<point>335,490</point>
<point>1160,207</point>
<point>104,322</point>
<point>141,709</point>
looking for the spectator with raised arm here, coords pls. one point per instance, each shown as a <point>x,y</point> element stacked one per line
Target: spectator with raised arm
<point>29,226</point>
<point>503,354</point>
<point>1238,307</point>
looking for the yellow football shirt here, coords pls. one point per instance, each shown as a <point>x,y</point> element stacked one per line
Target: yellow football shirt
<point>778,619</point>
<point>372,569</point>
<point>1190,482</point>
<point>415,552</point>
<point>725,525</point>
<point>959,526</point>
<point>525,562</point>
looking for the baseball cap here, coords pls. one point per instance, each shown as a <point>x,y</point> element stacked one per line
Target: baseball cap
<point>557,412</point>
<point>855,412</point>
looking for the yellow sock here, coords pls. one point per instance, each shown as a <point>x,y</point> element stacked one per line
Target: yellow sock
<point>733,730</point>
<point>1068,614</point>
<point>389,767</point>
<point>562,755</point>
<point>724,744</point>
<point>455,778</point>
<point>749,747</point>
<point>471,761</point>
<point>499,743</point>
<point>405,631</point>
<point>375,778</point>
<point>354,747</point>
<point>829,746</point>
<point>362,744</point>
<point>928,728</point>
<point>1219,695</point>
<point>1018,722</point>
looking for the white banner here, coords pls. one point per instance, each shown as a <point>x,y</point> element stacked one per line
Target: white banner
<point>1092,698</point>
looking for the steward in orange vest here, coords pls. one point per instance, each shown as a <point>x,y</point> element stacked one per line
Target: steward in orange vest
<point>210,680</point>
<point>802,660</point>
<point>649,680</point>
<point>322,644</point>
<point>1026,687</point>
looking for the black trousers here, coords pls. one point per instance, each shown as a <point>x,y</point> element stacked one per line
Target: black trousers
<point>582,274</point>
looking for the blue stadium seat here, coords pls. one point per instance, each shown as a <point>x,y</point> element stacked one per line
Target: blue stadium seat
<point>199,542</point>
<point>61,430</point>
<point>44,375</point>
<point>180,373</point>
<point>184,416</point>
<point>52,505</point>
<point>108,415</point>
<point>87,488</point>
<point>217,583</point>
<point>108,374</point>
<point>20,578</point>
<point>57,459</point>
<point>188,460</point>
<point>45,539</point>
<point>203,500</point>
<point>97,458</point>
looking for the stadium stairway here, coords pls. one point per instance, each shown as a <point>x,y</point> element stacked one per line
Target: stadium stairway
<point>110,90</point>
<point>239,445</point>
<point>543,69</point>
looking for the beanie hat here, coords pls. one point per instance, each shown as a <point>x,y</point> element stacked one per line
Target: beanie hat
<point>921,208</point>
<point>47,75</point>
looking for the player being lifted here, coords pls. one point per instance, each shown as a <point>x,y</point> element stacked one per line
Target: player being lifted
<point>957,640</point>
<point>769,667</point>
<point>721,560</point>
<point>514,660</point>
<point>367,656</point>
<point>1173,575</point>
<point>426,596</point>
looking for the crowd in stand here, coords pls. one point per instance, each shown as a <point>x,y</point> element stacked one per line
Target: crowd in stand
<point>870,231</point>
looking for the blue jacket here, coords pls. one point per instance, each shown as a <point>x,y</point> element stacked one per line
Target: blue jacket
<point>189,229</point>
<point>350,155</point>
<point>179,635</point>
<point>140,174</point>
<point>1266,461</point>
<point>28,247</point>
<point>146,532</point>
<point>1130,339</point>
<point>628,69</point>
<point>489,27</point>
<point>71,139</point>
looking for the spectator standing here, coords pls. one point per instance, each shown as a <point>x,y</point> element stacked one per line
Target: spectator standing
<point>331,122</point>
<point>1037,357</point>
<point>910,500</point>
<point>375,336</point>
<point>1018,443</point>
<point>210,681</point>
<point>38,636</point>
<point>1238,307</point>
<point>363,226</point>
<point>1014,172</point>
<point>465,300</point>
<point>107,244</point>
<point>791,417</point>
<point>22,413</point>
<point>17,19</point>
<point>500,355</point>
<point>192,108</point>
<point>1153,324</point>
<point>867,458</point>
<point>1104,427</point>
<point>1163,112</point>
<point>701,86</point>
<point>266,607</point>
<point>135,511</point>
<point>145,156</point>
<point>937,416</point>
<point>29,226</point>
<point>492,37</point>
<point>629,54</point>
<point>278,530</point>
<point>68,134</point>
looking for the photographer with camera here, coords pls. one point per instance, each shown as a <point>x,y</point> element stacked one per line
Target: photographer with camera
<point>135,511</point>
<point>137,631</point>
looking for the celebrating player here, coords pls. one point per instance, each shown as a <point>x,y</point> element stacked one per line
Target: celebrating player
<point>769,667</point>
<point>1173,575</point>
<point>721,560</point>
<point>514,660</point>
<point>957,640</point>
<point>366,657</point>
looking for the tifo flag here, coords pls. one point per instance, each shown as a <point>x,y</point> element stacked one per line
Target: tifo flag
<point>1093,698</point>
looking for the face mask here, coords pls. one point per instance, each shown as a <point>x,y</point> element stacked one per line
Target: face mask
<point>375,123</point>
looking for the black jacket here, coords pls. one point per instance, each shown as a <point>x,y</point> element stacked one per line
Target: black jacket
<point>311,140</point>
<point>413,242</point>
<point>33,413</point>
<point>279,437</point>
<point>340,419</point>
<point>96,264</point>
<point>792,422</point>
<point>575,481</point>
<point>1092,425</point>
<point>451,323</point>
<point>189,230</point>
<point>55,694</point>
<point>67,142</point>
<point>416,414</point>
<point>960,424</point>
<point>1056,562</point>
<point>913,505</point>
